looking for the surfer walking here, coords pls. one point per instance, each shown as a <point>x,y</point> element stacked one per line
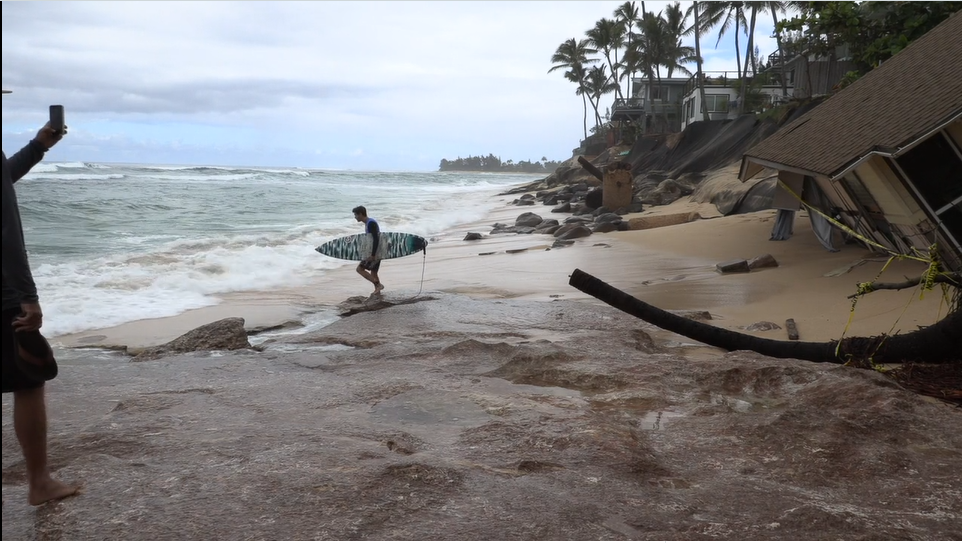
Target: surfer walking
<point>369,266</point>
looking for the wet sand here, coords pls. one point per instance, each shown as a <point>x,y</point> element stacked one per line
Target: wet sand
<point>671,267</point>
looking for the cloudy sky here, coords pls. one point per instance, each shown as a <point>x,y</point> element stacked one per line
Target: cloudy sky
<point>339,85</point>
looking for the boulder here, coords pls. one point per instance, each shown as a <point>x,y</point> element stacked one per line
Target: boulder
<point>762,326</point>
<point>528,219</point>
<point>579,231</point>
<point>550,230</point>
<point>223,335</point>
<point>547,223</point>
<point>472,236</point>
<point>608,218</point>
<point>593,198</point>
<point>666,192</point>
<point>605,227</point>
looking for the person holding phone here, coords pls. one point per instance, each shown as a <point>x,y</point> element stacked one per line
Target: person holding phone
<point>22,315</point>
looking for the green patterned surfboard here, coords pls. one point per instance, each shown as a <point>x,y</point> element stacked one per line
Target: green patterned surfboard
<point>358,246</point>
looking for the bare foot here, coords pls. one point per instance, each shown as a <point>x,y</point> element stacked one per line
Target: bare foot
<point>49,490</point>
<point>378,287</point>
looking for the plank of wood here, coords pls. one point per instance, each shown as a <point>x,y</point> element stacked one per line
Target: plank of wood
<point>592,169</point>
<point>792,329</point>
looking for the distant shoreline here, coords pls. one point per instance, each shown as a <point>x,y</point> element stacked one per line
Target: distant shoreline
<point>545,172</point>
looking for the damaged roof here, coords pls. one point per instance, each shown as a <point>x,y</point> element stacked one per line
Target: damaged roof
<point>914,92</point>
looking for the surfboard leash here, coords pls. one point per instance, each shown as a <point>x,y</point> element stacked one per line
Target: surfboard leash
<point>424,263</point>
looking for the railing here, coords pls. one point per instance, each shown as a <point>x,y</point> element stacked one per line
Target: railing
<point>630,103</point>
<point>711,79</point>
<point>639,104</point>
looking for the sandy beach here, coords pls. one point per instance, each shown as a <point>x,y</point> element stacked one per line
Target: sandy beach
<point>672,267</point>
<point>494,401</point>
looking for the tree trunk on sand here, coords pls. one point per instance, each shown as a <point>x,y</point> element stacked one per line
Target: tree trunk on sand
<point>939,343</point>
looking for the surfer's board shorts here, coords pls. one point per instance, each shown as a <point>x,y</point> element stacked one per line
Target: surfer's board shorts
<point>13,378</point>
<point>371,266</point>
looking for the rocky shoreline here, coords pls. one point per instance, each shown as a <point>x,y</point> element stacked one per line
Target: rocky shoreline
<point>447,417</point>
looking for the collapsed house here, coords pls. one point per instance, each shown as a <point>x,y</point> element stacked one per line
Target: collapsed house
<point>882,156</point>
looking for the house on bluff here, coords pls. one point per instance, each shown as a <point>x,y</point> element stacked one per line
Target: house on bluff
<point>883,156</point>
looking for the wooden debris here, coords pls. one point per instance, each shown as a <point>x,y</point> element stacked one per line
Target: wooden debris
<point>792,329</point>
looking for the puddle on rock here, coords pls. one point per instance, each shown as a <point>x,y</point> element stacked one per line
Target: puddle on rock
<point>657,420</point>
<point>426,408</point>
<point>495,385</point>
<point>301,348</point>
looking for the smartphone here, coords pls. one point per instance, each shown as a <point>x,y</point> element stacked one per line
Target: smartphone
<point>56,119</point>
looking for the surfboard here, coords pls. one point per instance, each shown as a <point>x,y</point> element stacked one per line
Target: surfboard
<point>358,246</point>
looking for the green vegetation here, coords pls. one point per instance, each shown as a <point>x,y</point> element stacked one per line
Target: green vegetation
<point>872,31</point>
<point>635,41</point>
<point>650,43</point>
<point>492,163</point>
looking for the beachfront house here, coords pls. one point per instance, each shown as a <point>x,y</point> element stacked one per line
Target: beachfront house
<point>721,95</point>
<point>806,75</point>
<point>883,156</point>
<point>662,105</point>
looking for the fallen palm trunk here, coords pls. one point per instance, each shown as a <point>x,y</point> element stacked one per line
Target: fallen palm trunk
<point>939,343</point>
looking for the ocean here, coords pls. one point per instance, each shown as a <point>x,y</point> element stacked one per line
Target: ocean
<point>115,243</point>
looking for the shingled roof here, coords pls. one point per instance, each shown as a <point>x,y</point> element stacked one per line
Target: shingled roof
<point>917,90</point>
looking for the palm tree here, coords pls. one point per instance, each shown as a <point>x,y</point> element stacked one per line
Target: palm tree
<point>650,45</point>
<point>626,15</point>
<point>572,55</point>
<point>749,57</point>
<point>776,8</point>
<point>725,15</point>
<point>700,78</point>
<point>675,55</point>
<point>608,35</point>
<point>597,84</point>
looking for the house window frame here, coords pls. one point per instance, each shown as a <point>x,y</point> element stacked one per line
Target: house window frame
<point>711,103</point>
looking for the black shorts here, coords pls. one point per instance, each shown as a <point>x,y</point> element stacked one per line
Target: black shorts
<point>371,266</point>
<point>13,378</point>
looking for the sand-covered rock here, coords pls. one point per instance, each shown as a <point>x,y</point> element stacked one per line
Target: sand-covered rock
<point>225,334</point>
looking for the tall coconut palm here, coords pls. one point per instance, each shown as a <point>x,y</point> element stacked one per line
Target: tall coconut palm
<point>651,44</point>
<point>726,15</point>
<point>573,56</point>
<point>607,36</point>
<point>753,7</point>
<point>598,84</point>
<point>627,15</point>
<point>675,55</point>
<point>699,78</point>
<point>775,8</point>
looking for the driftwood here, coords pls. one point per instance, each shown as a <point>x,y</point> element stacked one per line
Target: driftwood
<point>953,279</point>
<point>792,329</point>
<point>592,169</point>
<point>939,343</point>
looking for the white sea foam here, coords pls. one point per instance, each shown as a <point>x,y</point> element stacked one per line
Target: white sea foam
<point>120,243</point>
<point>74,176</point>
<point>103,292</point>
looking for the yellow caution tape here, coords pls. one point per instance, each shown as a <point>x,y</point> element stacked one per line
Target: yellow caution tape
<point>933,270</point>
